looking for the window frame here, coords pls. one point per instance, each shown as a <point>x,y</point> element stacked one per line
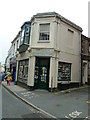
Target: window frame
<point>46,32</point>
<point>22,77</point>
<point>61,69</point>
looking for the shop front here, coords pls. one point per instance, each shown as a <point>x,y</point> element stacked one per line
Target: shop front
<point>13,64</point>
<point>23,71</point>
<point>41,77</point>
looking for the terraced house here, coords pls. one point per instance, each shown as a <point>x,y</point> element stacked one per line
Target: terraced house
<point>49,53</point>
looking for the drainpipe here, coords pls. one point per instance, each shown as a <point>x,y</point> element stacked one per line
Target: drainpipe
<point>80,59</point>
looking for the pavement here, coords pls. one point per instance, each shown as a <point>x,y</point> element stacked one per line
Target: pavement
<point>49,103</point>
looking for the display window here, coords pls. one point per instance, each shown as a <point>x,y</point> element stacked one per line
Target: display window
<point>64,71</point>
<point>23,71</point>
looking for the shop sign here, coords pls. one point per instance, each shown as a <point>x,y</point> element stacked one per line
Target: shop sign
<point>43,52</point>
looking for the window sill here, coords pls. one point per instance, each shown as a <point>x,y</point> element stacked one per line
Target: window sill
<point>44,41</point>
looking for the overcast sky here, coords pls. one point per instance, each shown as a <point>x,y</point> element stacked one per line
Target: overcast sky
<point>13,13</point>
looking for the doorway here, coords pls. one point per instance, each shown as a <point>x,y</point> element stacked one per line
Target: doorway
<point>41,77</point>
<point>84,73</point>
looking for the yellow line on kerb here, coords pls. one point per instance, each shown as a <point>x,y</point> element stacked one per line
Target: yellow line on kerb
<point>69,90</point>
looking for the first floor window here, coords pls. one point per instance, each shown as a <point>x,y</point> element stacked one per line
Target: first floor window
<point>64,71</point>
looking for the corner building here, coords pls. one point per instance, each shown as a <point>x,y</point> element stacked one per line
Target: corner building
<point>49,53</point>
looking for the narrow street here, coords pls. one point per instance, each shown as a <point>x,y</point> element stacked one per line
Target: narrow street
<point>12,107</point>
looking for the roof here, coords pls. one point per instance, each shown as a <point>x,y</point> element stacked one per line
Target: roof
<point>85,37</point>
<point>16,37</point>
<point>25,23</point>
<point>47,14</point>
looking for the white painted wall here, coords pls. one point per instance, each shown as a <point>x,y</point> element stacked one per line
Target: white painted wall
<point>70,50</point>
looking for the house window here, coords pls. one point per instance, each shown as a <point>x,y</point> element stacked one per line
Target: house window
<point>89,48</point>
<point>64,71</point>
<point>70,38</point>
<point>25,35</point>
<point>14,49</point>
<point>44,32</point>
<point>17,43</point>
<point>27,30</point>
<point>22,36</point>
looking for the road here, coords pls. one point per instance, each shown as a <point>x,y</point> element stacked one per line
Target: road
<point>66,105</point>
<point>13,107</point>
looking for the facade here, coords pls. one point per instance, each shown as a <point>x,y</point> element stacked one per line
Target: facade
<point>10,62</point>
<point>7,61</point>
<point>89,61</point>
<point>13,62</point>
<point>49,53</point>
<point>85,60</point>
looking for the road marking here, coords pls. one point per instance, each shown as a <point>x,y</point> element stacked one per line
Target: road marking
<point>32,110</point>
<point>73,115</point>
<point>87,118</point>
<point>29,94</point>
<point>72,89</point>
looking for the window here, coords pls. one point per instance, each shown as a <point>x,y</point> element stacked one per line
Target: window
<point>23,71</point>
<point>17,43</point>
<point>64,71</point>
<point>14,49</point>
<point>22,36</point>
<point>89,48</point>
<point>70,38</point>
<point>44,32</point>
<point>25,35</point>
<point>27,30</point>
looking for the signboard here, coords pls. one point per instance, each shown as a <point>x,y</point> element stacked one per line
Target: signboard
<point>43,52</point>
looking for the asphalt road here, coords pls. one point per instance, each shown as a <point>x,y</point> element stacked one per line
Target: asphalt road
<point>66,105</point>
<point>13,107</point>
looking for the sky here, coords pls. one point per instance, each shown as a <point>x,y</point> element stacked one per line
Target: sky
<point>13,13</point>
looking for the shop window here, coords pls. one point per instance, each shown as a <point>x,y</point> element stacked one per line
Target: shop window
<point>23,71</point>
<point>44,32</point>
<point>64,71</point>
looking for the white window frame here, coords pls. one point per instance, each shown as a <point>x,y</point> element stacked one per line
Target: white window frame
<point>46,32</point>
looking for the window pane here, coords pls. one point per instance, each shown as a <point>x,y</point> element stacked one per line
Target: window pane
<point>22,37</point>
<point>44,27</point>
<point>27,30</point>
<point>44,36</point>
<point>23,71</point>
<point>64,71</point>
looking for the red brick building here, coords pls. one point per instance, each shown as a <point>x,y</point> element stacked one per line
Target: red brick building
<point>85,60</point>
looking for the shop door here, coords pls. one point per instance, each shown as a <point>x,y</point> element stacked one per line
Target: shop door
<point>42,73</point>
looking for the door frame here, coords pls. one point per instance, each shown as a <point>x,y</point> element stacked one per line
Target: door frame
<point>37,85</point>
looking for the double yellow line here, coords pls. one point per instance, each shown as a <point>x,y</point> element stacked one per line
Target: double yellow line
<point>72,89</point>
